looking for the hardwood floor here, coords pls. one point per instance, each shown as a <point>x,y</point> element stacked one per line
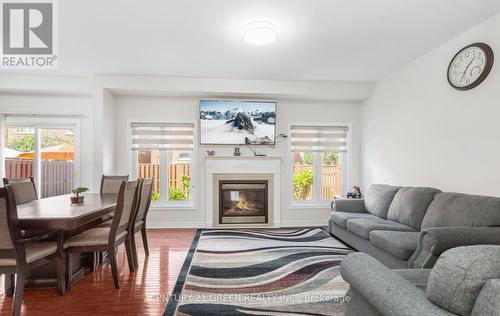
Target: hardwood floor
<point>144,292</point>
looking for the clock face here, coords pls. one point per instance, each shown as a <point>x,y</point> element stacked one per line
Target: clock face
<point>470,66</point>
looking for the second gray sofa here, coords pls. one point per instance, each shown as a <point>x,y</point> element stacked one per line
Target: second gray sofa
<point>411,226</point>
<point>464,281</point>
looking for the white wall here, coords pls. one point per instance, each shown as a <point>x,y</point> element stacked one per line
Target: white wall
<point>130,108</point>
<point>418,130</point>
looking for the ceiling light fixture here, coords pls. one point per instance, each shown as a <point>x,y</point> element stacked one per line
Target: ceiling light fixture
<point>260,33</point>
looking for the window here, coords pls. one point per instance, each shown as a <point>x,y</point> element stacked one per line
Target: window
<point>318,162</point>
<point>164,152</point>
<point>42,148</point>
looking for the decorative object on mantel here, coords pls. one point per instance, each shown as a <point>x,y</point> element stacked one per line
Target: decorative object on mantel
<point>78,199</point>
<point>210,153</point>
<point>280,138</point>
<point>355,193</point>
<point>237,152</point>
<point>470,66</point>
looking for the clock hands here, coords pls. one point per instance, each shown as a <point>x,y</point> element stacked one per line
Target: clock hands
<point>465,71</point>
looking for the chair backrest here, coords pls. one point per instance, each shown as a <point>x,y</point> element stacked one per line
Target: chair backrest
<point>111,184</point>
<point>126,206</point>
<point>24,189</point>
<point>10,232</point>
<point>144,199</point>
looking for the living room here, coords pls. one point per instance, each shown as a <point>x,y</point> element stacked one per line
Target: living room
<point>317,102</point>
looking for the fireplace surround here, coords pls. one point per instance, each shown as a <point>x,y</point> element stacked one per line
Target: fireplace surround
<point>247,169</point>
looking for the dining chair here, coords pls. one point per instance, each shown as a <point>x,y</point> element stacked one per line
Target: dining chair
<point>111,184</point>
<point>109,238</point>
<point>18,255</point>
<point>139,223</point>
<point>24,189</point>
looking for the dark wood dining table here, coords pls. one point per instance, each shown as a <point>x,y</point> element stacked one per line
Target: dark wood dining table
<point>58,214</point>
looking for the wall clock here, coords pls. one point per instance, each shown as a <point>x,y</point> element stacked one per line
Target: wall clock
<point>470,66</point>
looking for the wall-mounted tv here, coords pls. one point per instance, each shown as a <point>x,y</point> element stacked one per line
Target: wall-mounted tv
<point>224,122</point>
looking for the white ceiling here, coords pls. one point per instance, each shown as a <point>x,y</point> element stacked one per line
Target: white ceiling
<point>353,40</point>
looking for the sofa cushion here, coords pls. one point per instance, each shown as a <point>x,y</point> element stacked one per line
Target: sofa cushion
<point>460,274</point>
<point>340,218</point>
<point>462,210</point>
<point>488,300</point>
<point>410,204</point>
<point>417,277</point>
<point>400,244</point>
<point>378,198</point>
<point>363,227</point>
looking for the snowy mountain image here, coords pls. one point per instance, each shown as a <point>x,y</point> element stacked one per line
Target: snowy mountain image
<point>237,122</point>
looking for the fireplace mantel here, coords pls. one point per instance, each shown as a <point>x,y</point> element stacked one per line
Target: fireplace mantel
<point>241,167</point>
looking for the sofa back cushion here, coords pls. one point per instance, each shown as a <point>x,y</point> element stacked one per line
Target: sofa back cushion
<point>460,274</point>
<point>410,204</point>
<point>378,198</point>
<point>462,210</point>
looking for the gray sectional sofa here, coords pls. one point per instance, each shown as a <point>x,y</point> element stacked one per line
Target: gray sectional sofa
<point>464,281</point>
<point>410,227</point>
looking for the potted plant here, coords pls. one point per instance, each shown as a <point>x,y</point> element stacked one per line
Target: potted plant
<point>78,199</point>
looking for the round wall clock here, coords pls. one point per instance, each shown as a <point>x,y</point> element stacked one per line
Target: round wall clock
<point>470,66</point>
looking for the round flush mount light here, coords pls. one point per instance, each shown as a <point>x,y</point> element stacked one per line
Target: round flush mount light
<point>260,33</point>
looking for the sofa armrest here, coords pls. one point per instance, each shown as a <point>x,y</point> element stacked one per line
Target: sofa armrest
<point>349,205</point>
<point>434,241</point>
<point>386,290</point>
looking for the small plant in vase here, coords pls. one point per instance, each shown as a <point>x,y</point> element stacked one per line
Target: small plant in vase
<point>78,199</point>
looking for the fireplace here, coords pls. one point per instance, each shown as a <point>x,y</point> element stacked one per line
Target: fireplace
<point>243,202</point>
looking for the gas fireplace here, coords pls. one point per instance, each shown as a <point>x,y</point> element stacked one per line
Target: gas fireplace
<point>243,202</point>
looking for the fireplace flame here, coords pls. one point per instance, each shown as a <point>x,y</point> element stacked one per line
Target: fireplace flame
<point>243,203</point>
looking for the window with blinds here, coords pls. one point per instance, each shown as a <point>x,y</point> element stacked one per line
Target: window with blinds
<point>162,136</point>
<point>165,152</point>
<point>319,138</point>
<point>319,158</point>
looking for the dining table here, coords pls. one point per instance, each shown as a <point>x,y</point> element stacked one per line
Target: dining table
<point>58,215</point>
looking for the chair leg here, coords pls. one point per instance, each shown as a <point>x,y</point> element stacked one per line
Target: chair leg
<point>134,250</point>
<point>9,284</point>
<point>95,260</point>
<point>61,275</point>
<point>145,240</point>
<point>19,293</point>
<point>114,267</point>
<point>130,257</point>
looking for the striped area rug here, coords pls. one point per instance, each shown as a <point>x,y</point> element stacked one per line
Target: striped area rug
<point>261,272</point>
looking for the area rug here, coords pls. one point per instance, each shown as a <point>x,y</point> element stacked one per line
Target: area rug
<point>261,272</point>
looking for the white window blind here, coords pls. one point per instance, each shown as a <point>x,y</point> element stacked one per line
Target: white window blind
<point>162,136</point>
<point>319,138</point>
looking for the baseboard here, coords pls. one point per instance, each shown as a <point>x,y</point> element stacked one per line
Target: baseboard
<point>301,223</point>
<point>305,223</point>
<point>154,225</point>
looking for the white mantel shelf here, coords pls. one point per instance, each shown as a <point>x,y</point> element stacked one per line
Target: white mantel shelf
<point>243,157</point>
<point>239,165</point>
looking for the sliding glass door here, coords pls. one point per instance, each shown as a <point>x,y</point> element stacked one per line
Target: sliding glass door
<point>45,150</point>
<point>57,174</point>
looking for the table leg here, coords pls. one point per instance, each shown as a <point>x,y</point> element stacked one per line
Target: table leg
<point>9,284</point>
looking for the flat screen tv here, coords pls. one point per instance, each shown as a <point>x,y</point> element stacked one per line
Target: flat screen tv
<point>224,122</point>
